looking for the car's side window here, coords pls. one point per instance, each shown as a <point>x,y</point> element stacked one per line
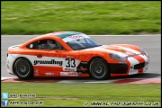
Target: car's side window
<point>32,45</point>
<point>47,44</point>
<point>42,44</point>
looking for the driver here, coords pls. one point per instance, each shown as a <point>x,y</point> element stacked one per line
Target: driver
<point>51,44</point>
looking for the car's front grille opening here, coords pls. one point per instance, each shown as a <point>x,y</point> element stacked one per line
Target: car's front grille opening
<point>139,66</point>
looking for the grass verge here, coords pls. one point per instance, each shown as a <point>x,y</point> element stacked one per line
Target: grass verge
<point>81,94</point>
<point>90,17</point>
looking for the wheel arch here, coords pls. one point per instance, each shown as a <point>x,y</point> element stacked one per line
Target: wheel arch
<point>22,58</point>
<point>89,62</point>
<point>96,57</point>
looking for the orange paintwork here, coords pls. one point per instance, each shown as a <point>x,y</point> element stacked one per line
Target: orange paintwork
<point>82,55</point>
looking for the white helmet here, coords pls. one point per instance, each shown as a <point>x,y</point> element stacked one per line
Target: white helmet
<point>51,43</point>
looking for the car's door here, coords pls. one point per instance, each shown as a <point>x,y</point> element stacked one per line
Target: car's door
<point>52,59</point>
<point>49,57</point>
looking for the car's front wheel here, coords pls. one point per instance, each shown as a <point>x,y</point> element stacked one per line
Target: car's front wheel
<point>23,68</point>
<point>99,69</point>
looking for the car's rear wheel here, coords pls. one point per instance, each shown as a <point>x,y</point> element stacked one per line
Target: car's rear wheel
<point>23,68</point>
<point>99,69</point>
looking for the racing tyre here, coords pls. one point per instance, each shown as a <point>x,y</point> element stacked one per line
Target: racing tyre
<point>23,68</point>
<point>99,69</point>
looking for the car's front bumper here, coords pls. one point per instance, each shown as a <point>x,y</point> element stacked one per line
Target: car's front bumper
<point>133,65</point>
<point>9,64</point>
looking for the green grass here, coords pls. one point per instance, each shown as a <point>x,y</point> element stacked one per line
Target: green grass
<point>90,17</point>
<point>76,94</point>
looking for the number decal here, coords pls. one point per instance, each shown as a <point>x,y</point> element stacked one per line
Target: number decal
<point>70,62</point>
<point>73,63</point>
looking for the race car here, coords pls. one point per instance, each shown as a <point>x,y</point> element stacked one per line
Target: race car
<point>74,54</point>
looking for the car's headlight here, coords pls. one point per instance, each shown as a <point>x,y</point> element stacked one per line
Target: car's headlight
<point>117,57</point>
<point>143,51</point>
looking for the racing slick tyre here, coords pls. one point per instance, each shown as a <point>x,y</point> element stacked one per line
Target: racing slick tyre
<point>23,68</point>
<point>99,69</point>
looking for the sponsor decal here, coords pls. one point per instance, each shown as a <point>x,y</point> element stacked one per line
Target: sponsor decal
<point>49,74</point>
<point>36,72</point>
<point>70,74</point>
<point>63,73</point>
<point>76,37</point>
<point>52,61</point>
<point>68,69</point>
<point>70,64</point>
<point>73,74</point>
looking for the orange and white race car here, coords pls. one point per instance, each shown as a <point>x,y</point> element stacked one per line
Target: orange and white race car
<point>74,54</point>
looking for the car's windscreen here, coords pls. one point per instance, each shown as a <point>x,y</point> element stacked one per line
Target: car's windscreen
<point>82,43</point>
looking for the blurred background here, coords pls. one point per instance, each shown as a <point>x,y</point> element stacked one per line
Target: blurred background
<point>90,17</point>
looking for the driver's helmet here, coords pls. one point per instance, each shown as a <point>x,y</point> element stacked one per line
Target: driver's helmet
<point>51,44</point>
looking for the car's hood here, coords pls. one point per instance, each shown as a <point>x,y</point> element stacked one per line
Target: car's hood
<point>120,49</point>
<point>14,46</point>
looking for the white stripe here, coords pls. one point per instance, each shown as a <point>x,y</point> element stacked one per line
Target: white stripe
<point>133,61</point>
<point>144,57</point>
<point>102,48</point>
<point>115,52</point>
<point>128,49</point>
<point>134,51</point>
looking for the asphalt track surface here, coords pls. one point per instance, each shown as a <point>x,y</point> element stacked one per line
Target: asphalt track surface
<point>150,43</point>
